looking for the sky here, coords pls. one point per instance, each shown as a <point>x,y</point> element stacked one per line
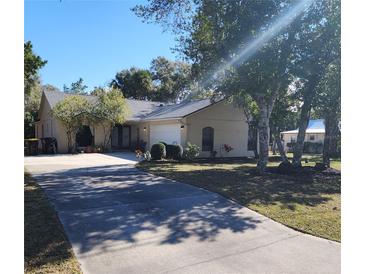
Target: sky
<point>91,39</point>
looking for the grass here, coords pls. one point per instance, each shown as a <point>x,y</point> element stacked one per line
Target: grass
<point>46,248</point>
<point>310,203</point>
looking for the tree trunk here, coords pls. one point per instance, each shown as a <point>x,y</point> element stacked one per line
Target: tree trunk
<point>330,139</point>
<point>280,147</point>
<point>69,142</point>
<point>263,130</point>
<point>304,119</point>
<point>303,124</point>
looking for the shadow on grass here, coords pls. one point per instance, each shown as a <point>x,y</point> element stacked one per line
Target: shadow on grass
<point>100,205</point>
<point>242,185</point>
<point>46,248</point>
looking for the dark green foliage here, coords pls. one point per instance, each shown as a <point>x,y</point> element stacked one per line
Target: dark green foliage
<point>32,64</point>
<point>191,151</point>
<point>174,152</point>
<point>165,81</point>
<point>134,83</point>
<point>158,151</point>
<point>172,80</point>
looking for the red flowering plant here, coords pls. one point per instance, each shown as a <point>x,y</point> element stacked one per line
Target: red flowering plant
<point>139,153</point>
<point>227,148</point>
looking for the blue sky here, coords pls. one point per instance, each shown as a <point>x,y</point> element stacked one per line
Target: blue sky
<point>91,39</point>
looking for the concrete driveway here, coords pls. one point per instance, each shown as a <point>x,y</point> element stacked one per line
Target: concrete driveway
<point>122,220</point>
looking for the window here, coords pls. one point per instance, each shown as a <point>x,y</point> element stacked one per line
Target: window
<point>311,137</point>
<point>208,139</point>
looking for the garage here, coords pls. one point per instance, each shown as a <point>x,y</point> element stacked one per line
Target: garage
<point>168,133</point>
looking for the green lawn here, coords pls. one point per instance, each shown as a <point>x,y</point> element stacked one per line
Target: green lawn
<point>46,248</point>
<point>310,203</point>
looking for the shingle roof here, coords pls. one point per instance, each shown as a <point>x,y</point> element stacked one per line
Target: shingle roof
<point>53,97</point>
<point>178,110</point>
<point>142,110</point>
<point>314,126</point>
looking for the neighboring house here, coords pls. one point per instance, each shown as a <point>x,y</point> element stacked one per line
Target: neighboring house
<point>206,124</point>
<point>313,134</point>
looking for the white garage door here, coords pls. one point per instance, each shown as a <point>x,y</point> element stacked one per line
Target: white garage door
<point>169,134</point>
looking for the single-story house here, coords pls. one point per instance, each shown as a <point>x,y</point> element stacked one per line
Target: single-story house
<point>207,124</point>
<point>313,134</point>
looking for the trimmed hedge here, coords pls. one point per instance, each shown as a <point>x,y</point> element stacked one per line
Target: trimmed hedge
<point>158,151</point>
<point>173,151</point>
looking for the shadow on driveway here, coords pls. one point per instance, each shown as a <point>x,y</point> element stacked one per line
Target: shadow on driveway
<point>110,204</point>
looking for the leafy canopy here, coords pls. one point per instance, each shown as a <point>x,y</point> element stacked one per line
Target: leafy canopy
<point>72,112</point>
<point>111,107</point>
<point>134,83</point>
<point>32,64</point>
<point>165,81</point>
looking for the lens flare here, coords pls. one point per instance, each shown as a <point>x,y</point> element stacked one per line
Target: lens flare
<point>278,25</point>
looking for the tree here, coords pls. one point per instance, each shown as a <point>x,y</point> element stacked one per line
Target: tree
<point>172,79</point>
<point>134,83</point>
<point>318,43</point>
<point>72,112</point>
<point>328,106</point>
<point>32,64</point>
<point>166,81</point>
<point>212,31</point>
<point>284,117</point>
<point>110,109</point>
<point>218,29</point>
<point>77,87</point>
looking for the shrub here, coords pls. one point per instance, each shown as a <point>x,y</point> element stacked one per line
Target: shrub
<point>158,151</point>
<point>191,151</point>
<point>174,151</point>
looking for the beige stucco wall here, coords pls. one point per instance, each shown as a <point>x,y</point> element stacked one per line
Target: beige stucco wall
<point>287,138</point>
<point>230,127</point>
<point>46,126</point>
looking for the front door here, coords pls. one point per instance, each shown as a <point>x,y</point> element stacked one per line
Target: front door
<point>121,137</point>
